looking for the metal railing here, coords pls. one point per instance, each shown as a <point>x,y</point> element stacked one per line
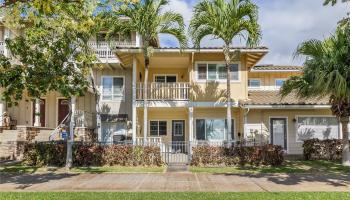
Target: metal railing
<point>104,49</point>
<point>57,130</point>
<point>149,141</point>
<point>164,91</point>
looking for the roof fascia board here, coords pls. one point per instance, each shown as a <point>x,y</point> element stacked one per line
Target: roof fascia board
<point>287,106</point>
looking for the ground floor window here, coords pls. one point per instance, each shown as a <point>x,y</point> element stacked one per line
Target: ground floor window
<point>309,127</point>
<point>158,128</point>
<point>212,129</point>
<point>111,130</point>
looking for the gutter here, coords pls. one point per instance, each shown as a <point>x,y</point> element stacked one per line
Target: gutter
<point>192,50</point>
<point>287,106</point>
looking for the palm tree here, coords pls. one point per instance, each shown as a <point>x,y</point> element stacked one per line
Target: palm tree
<point>226,20</point>
<point>147,19</point>
<point>327,73</point>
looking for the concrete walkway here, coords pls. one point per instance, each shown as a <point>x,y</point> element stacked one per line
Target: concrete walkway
<point>174,182</point>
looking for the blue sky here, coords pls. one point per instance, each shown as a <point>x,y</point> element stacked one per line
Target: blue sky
<point>284,23</point>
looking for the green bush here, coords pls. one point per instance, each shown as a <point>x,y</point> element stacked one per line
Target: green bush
<point>54,154</point>
<point>316,149</point>
<point>221,156</point>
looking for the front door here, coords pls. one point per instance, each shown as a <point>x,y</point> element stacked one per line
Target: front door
<point>63,109</point>
<point>178,136</point>
<point>278,127</point>
<point>42,112</point>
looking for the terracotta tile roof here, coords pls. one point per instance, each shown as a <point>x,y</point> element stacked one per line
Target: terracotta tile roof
<point>277,67</point>
<point>265,97</point>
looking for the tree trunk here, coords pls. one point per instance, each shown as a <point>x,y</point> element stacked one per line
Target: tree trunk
<point>346,152</point>
<point>228,90</point>
<point>145,104</point>
<point>70,140</point>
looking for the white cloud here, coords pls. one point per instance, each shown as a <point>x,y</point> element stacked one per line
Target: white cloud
<point>284,23</point>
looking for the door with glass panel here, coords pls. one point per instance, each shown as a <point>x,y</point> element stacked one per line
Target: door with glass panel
<point>178,136</point>
<point>278,131</point>
<point>163,88</point>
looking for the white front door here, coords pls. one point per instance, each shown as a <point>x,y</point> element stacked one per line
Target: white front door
<point>278,131</point>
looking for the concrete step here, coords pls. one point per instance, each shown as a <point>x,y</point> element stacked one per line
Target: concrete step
<point>43,135</point>
<point>8,135</point>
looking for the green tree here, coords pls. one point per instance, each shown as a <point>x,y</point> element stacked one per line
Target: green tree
<point>226,20</point>
<point>327,73</point>
<point>148,20</point>
<point>333,2</point>
<point>50,54</point>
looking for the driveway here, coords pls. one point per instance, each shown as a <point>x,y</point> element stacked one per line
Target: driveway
<point>161,182</point>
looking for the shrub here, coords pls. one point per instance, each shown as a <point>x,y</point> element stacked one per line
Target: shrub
<point>316,149</point>
<point>257,155</point>
<point>54,154</point>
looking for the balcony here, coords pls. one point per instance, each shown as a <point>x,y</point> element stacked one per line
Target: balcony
<point>103,49</point>
<point>164,91</point>
<point>2,47</point>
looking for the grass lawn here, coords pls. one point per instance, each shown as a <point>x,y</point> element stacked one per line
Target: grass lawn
<point>294,166</point>
<point>171,196</point>
<point>18,168</point>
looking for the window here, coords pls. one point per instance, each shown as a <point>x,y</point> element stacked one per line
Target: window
<point>216,72</point>
<point>254,83</point>
<point>165,78</point>
<point>109,129</point>
<point>212,129</point>
<point>158,128</point>
<point>279,82</point>
<point>112,88</point>
<point>317,127</point>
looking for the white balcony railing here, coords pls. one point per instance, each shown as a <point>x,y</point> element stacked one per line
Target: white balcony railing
<point>265,87</point>
<point>164,91</point>
<point>103,49</point>
<point>149,140</point>
<point>2,47</point>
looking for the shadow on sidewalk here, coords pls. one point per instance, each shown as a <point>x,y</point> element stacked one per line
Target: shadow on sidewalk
<point>24,180</point>
<point>335,180</point>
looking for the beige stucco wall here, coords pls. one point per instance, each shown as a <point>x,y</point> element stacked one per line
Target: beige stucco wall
<point>256,116</point>
<point>163,114</point>
<point>268,78</point>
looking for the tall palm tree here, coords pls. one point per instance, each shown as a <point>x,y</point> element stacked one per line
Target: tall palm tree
<point>226,20</point>
<point>148,20</point>
<point>327,73</point>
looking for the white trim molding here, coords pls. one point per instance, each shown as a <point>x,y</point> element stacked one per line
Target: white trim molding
<point>287,106</point>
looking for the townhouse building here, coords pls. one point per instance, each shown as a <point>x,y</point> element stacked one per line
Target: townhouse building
<point>185,100</point>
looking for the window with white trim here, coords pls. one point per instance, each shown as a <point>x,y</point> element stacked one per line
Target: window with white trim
<point>309,127</point>
<point>212,129</point>
<point>158,128</point>
<point>112,88</point>
<point>165,78</point>
<point>279,82</point>
<point>254,83</point>
<point>216,72</point>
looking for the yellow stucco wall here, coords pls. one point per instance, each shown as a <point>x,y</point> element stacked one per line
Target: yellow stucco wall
<point>268,78</point>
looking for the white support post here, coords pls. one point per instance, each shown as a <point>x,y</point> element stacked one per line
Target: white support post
<point>37,113</point>
<point>2,111</point>
<point>6,36</point>
<point>138,40</point>
<point>134,63</point>
<point>190,128</point>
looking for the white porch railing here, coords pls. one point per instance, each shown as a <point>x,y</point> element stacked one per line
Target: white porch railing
<point>103,49</point>
<point>2,47</point>
<point>84,119</point>
<point>149,140</point>
<point>164,91</point>
<point>264,87</point>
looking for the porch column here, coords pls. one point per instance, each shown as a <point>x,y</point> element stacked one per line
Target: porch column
<point>190,130</point>
<point>72,119</point>
<point>134,100</point>
<point>138,40</point>
<point>6,36</point>
<point>2,110</point>
<point>37,113</point>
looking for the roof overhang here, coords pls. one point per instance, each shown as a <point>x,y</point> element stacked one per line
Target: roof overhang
<point>253,55</point>
<point>287,106</point>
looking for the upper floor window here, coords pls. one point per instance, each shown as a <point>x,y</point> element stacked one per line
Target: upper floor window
<point>279,82</point>
<point>216,72</point>
<point>165,78</point>
<point>254,83</point>
<point>112,88</point>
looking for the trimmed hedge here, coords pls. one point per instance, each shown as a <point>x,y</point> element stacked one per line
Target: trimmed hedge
<point>316,149</point>
<point>222,156</point>
<point>54,154</point>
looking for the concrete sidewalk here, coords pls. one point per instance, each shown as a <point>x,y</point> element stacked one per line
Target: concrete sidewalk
<point>173,182</point>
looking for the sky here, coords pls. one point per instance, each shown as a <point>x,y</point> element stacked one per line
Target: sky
<point>284,23</point>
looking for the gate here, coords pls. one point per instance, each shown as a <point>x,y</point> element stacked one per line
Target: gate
<point>176,153</point>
